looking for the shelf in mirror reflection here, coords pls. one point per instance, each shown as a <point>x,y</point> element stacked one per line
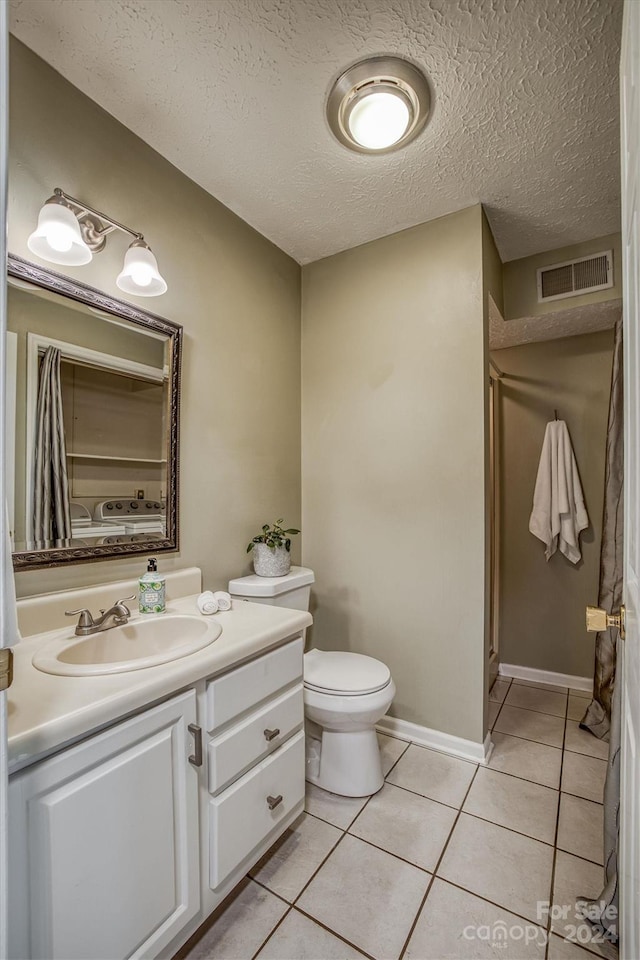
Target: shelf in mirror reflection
<point>102,456</point>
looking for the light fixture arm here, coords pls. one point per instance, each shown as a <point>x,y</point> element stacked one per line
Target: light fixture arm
<point>94,224</point>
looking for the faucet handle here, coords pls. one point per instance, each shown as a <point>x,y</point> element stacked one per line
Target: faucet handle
<point>122,603</point>
<point>86,618</point>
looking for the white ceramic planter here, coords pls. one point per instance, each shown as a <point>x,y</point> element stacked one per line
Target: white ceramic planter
<point>271,561</point>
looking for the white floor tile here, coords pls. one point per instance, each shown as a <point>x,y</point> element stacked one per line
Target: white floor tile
<point>577,708</point>
<point>533,698</point>
<point>560,949</point>
<point>523,758</point>
<point>492,713</point>
<point>367,896</point>
<point>391,749</point>
<point>455,925</point>
<point>530,725</point>
<point>511,870</point>
<point>412,827</point>
<point>583,776</point>
<point>554,687</point>
<point>499,690</point>
<point>520,805</point>
<point>298,938</point>
<point>242,926</point>
<point>340,811</point>
<point>291,863</point>
<point>575,879</point>
<point>434,775</point>
<point>580,827</point>
<point>582,741</point>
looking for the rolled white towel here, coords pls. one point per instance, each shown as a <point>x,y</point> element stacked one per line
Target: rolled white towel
<point>224,599</point>
<point>207,603</point>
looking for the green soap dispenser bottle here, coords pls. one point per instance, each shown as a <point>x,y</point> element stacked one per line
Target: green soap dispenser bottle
<point>152,594</point>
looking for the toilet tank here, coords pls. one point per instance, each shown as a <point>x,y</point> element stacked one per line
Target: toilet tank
<point>292,591</point>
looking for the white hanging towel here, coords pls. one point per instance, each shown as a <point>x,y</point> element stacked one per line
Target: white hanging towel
<point>559,514</point>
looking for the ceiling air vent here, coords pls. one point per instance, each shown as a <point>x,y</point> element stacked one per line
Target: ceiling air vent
<point>575,277</point>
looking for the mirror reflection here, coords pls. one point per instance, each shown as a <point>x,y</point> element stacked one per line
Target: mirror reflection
<point>88,394</point>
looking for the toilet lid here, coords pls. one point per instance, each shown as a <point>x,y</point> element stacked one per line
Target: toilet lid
<point>344,673</point>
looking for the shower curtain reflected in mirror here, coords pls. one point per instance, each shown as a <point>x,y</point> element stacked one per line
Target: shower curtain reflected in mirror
<point>51,511</point>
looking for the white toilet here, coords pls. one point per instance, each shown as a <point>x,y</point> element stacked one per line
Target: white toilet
<point>345,694</point>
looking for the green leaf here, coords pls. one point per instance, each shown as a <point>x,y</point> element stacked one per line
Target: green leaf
<point>250,547</point>
<point>292,531</point>
<point>288,544</point>
<point>265,528</point>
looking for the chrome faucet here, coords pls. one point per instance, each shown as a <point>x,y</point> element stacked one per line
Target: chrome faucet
<point>115,616</point>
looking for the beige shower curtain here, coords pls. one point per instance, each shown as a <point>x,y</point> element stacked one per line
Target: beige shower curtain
<point>603,714</point>
<point>597,719</point>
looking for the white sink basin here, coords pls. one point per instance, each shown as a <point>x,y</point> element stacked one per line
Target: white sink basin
<point>139,644</point>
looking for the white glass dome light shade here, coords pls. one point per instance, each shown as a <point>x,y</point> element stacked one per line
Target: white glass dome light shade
<point>379,118</point>
<point>378,105</point>
<point>57,238</point>
<point>140,275</point>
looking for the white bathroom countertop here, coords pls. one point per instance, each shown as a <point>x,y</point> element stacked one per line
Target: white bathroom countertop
<point>47,711</point>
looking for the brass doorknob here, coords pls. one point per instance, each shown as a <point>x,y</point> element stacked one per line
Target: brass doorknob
<point>598,620</point>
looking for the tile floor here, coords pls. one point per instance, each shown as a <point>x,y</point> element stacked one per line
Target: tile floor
<point>444,858</point>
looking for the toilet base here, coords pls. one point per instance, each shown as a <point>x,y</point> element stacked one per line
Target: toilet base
<point>349,763</point>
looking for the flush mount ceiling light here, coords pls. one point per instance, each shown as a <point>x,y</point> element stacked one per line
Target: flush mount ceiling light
<point>378,105</point>
<point>70,232</point>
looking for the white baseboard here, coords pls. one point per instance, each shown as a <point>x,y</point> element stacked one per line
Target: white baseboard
<point>546,676</point>
<point>436,740</point>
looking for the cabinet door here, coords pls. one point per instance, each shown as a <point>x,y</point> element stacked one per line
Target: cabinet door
<point>104,848</point>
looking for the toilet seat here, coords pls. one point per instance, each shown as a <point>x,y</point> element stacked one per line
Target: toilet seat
<point>341,674</point>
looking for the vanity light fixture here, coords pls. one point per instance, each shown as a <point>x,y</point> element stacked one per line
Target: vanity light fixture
<point>70,232</point>
<point>378,105</point>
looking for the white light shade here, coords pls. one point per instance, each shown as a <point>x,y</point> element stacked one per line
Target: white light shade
<point>379,120</point>
<point>140,275</point>
<point>57,237</point>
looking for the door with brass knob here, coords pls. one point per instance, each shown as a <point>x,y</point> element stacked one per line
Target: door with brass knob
<point>599,620</point>
<point>628,662</point>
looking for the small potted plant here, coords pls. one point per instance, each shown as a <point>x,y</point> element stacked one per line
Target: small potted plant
<point>272,550</point>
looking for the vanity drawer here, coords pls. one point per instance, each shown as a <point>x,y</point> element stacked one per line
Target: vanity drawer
<point>245,687</point>
<point>258,735</point>
<point>240,818</point>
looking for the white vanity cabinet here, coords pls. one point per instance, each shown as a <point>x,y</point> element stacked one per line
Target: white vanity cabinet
<point>122,845</point>
<point>104,842</point>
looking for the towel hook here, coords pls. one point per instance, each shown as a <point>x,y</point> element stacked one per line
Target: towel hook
<point>555,414</point>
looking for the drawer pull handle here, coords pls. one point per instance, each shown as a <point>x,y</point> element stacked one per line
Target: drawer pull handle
<point>273,802</point>
<point>196,758</point>
<point>271,734</point>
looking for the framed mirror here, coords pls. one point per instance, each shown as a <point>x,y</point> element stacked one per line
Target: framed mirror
<point>93,399</point>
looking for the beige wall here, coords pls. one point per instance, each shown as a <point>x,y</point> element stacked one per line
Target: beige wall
<point>236,294</point>
<point>542,604</point>
<point>394,459</point>
<point>520,279</point>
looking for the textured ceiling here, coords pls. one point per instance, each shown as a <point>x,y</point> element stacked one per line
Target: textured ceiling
<point>232,92</point>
